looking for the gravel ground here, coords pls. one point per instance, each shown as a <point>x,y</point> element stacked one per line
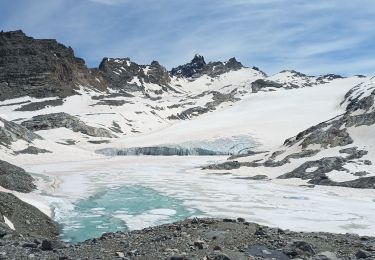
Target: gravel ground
<point>216,239</point>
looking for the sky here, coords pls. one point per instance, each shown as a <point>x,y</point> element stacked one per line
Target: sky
<point>313,37</point>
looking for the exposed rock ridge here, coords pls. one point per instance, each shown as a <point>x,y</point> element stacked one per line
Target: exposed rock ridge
<point>198,67</point>
<point>291,79</point>
<point>11,132</point>
<point>56,120</point>
<point>122,73</point>
<point>41,68</point>
<point>15,178</point>
<point>25,218</point>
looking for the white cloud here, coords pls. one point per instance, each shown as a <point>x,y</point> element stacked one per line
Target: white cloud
<point>310,36</point>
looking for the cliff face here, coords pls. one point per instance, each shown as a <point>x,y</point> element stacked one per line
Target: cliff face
<point>41,68</point>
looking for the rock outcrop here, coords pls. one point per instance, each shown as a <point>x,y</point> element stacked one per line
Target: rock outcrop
<point>217,99</point>
<point>56,120</point>
<point>41,68</point>
<point>34,106</point>
<point>32,150</point>
<point>15,178</point>
<point>11,132</point>
<point>25,218</point>
<point>261,85</point>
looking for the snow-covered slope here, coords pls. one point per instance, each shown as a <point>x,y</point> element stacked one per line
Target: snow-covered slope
<point>231,112</point>
<point>197,108</point>
<point>336,152</point>
<point>267,118</point>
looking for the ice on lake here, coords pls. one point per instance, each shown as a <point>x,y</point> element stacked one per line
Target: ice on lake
<point>126,193</point>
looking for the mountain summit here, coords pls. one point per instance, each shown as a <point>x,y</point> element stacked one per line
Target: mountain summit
<point>197,67</point>
<point>45,68</point>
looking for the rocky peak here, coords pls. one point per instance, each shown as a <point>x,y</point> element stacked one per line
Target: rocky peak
<point>155,63</point>
<point>157,74</point>
<point>214,69</point>
<point>122,73</point>
<point>232,63</point>
<point>330,77</point>
<point>198,61</point>
<point>193,68</point>
<point>110,64</point>
<point>294,73</point>
<point>198,67</point>
<point>40,68</point>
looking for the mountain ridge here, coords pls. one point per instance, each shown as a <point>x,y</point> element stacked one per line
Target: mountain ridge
<point>288,131</point>
<point>46,68</point>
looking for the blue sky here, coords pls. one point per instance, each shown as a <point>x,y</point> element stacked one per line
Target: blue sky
<point>314,37</point>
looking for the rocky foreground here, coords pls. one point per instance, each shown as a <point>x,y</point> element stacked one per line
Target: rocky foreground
<point>197,239</point>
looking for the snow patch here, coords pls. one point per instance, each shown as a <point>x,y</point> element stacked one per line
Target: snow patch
<point>9,223</point>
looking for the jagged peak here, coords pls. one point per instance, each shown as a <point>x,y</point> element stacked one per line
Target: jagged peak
<point>155,63</point>
<point>199,60</point>
<point>233,63</point>
<point>233,60</point>
<point>198,67</point>
<point>127,61</point>
<point>110,62</point>
<point>297,73</point>
<point>119,60</point>
<point>121,72</point>
<point>330,77</point>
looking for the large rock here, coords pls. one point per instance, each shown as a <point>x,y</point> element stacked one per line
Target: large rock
<point>319,168</point>
<point>261,85</point>
<point>360,183</point>
<point>11,132</point>
<point>26,219</point>
<point>15,178</point>
<point>56,120</point>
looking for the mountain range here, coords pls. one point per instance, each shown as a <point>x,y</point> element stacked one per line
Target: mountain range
<point>52,103</point>
<point>287,128</point>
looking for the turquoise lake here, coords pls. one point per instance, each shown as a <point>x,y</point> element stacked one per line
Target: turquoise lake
<point>107,211</point>
<point>131,193</point>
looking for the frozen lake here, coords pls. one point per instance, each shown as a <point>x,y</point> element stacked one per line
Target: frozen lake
<point>126,193</point>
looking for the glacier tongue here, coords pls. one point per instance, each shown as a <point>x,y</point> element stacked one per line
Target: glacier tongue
<point>222,146</point>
